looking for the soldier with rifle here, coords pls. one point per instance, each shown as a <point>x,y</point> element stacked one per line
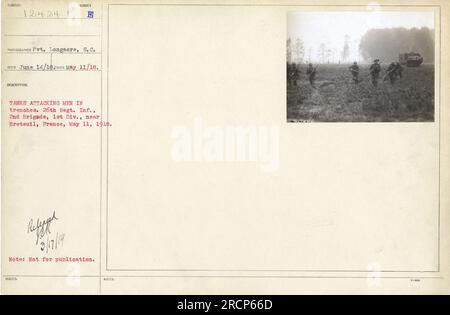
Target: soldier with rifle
<point>293,74</point>
<point>374,71</point>
<point>399,69</point>
<point>289,74</point>
<point>354,70</point>
<point>311,72</point>
<point>391,72</point>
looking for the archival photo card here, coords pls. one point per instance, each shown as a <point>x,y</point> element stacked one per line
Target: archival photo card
<point>360,66</point>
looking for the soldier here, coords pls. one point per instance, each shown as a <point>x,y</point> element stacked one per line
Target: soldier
<point>311,72</point>
<point>391,72</point>
<point>399,69</point>
<point>295,75</point>
<point>374,71</point>
<point>292,74</point>
<point>354,69</point>
<point>288,73</point>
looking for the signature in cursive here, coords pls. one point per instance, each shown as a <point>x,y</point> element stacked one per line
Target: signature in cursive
<point>41,227</point>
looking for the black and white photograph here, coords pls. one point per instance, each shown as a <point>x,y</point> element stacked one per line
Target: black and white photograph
<point>367,66</point>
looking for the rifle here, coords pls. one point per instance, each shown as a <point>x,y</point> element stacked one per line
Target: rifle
<point>388,73</point>
<point>314,70</point>
<point>379,63</point>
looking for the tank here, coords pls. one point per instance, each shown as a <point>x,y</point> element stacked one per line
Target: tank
<point>410,59</point>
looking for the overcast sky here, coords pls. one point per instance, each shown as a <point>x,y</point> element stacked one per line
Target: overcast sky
<point>330,28</point>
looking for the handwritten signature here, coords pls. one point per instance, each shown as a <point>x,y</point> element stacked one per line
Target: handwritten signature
<point>41,227</point>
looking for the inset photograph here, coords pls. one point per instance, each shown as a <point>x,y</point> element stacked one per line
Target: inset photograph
<point>365,66</point>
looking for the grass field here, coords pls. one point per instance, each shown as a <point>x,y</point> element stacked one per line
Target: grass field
<point>338,99</point>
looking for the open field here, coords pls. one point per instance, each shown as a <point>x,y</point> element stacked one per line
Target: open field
<point>338,99</point>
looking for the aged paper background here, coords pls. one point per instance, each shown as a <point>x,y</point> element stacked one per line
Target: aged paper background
<point>349,203</point>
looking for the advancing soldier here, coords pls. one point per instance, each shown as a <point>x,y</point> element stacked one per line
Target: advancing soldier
<point>354,69</point>
<point>391,72</point>
<point>293,74</point>
<point>288,73</point>
<point>374,71</point>
<point>311,72</point>
<point>399,69</point>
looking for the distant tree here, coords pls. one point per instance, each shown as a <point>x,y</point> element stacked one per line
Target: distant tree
<point>346,50</point>
<point>309,54</point>
<point>322,52</point>
<point>334,54</point>
<point>387,43</point>
<point>288,50</point>
<point>299,51</point>
<point>329,55</point>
